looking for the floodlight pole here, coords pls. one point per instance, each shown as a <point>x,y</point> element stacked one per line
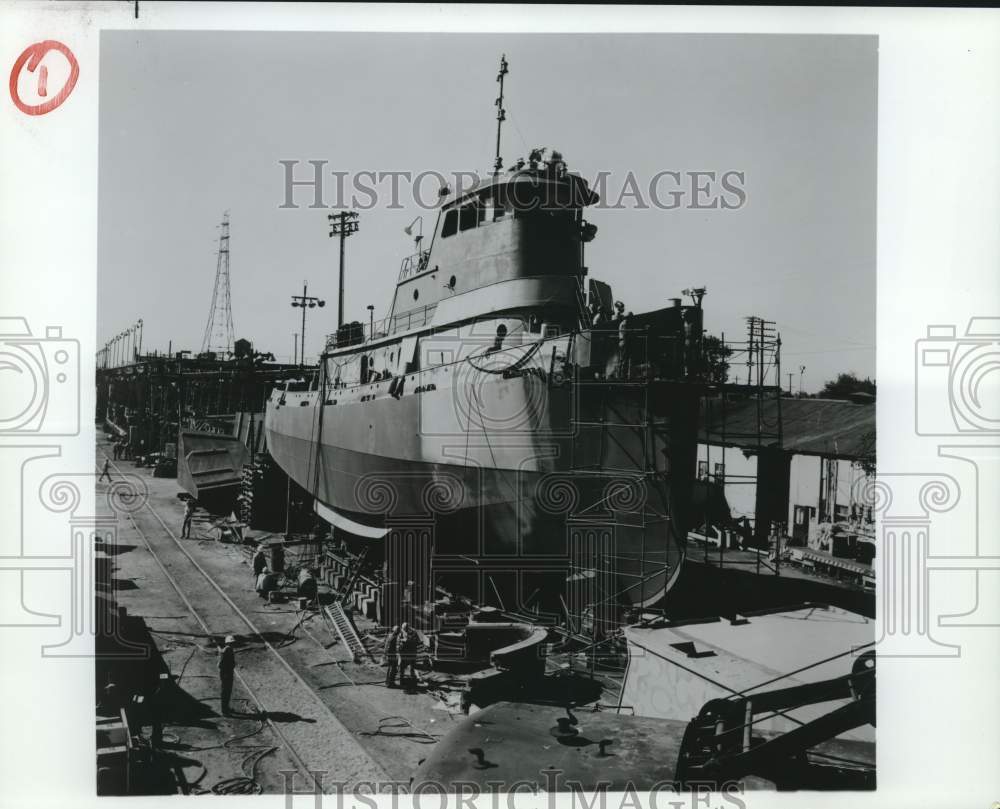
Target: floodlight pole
<point>342,224</point>
<point>305,301</point>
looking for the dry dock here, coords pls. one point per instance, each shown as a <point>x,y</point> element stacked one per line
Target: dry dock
<point>322,711</point>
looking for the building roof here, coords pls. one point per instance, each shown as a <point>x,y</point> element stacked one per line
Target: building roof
<point>779,648</point>
<point>829,427</point>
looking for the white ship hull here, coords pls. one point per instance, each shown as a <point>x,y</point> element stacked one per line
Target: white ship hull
<point>505,467</point>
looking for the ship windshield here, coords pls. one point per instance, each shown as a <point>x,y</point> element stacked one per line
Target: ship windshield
<point>533,195</point>
<point>525,198</point>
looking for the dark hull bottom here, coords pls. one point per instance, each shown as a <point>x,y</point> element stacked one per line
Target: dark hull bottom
<point>220,500</point>
<point>562,560</point>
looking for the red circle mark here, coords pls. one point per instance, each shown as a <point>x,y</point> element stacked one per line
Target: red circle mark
<point>32,57</point>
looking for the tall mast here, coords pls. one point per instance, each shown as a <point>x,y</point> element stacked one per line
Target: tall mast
<point>501,113</point>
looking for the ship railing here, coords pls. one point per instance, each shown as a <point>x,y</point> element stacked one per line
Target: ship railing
<point>414,265</point>
<point>641,357</point>
<point>413,319</point>
<point>377,329</point>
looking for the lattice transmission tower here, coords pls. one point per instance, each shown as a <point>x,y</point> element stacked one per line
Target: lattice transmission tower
<point>219,329</point>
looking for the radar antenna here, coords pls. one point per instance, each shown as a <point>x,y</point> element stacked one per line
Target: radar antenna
<point>501,113</point>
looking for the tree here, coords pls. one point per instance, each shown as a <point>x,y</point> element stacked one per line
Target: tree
<point>716,355</point>
<point>845,385</point>
<point>867,453</point>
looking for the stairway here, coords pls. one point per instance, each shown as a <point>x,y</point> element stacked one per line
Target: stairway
<point>345,629</point>
<point>354,573</point>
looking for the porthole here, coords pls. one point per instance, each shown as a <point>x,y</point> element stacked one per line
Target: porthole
<point>416,294</point>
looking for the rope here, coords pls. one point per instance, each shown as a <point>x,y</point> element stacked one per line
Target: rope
<point>532,350</point>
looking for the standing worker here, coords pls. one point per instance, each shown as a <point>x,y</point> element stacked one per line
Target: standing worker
<point>624,347</point>
<point>407,604</point>
<point>391,657</point>
<point>619,315</point>
<point>227,668</point>
<point>189,508</point>
<point>259,562</point>
<point>106,471</point>
<point>408,643</point>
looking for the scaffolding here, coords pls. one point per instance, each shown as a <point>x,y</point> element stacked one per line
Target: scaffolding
<point>620,547</point>
<point>758,360</point>
<point>603,580</point>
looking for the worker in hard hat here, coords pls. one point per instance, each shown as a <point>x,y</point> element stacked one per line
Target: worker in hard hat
<point>227,670</point>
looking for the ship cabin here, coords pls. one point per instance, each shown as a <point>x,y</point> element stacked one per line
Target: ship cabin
<point>504,264</point>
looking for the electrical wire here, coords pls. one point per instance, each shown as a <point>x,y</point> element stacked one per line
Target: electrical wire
<point>418,736</point>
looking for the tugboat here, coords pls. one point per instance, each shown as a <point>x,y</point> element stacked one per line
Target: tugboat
<point>507,404</point>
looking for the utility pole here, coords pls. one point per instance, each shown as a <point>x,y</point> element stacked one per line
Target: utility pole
<point>295,348</point>
<point>790,375</point>
<point>305,302</point>
<point>802,370</point>
<point>342,224</point>
<point>501,113</point>
<point>768,342</point>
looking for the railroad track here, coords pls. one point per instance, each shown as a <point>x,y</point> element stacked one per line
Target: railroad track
<point>309,743</point>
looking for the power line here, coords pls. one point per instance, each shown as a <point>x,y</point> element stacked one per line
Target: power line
<point>829,351</point>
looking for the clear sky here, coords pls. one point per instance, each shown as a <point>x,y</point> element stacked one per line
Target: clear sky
<point>193,124</point>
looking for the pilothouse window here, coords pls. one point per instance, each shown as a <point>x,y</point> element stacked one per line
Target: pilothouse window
<point>469,217</point>
<point>482,209</point>
<point>450,226</point>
